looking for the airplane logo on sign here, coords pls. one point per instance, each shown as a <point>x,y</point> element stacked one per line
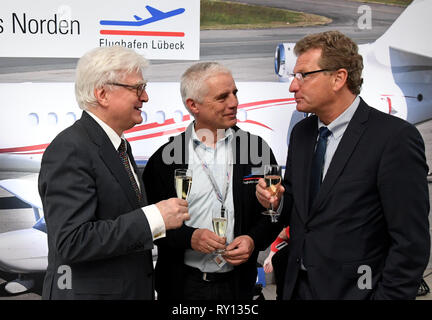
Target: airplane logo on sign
<point>156,16</point>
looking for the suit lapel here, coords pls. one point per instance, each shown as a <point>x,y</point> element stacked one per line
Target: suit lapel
<point>302,158</point>
<point>348,143</point>
<point>110,157</point>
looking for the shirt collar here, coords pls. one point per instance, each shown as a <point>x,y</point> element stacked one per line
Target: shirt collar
<point>338,125</point>
<point>112,135</point>
<point>228,136</point>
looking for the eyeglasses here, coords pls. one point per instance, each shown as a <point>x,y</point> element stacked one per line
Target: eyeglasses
<point>138,87</point>
<point>300,76</point>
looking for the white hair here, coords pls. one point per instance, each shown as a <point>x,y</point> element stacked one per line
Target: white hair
<point>101,66</point>
<point>193,81</point>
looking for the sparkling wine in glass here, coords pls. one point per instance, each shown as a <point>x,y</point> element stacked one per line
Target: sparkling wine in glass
<point>272,178</point>
<point>220,224</point>
<point>182,182</point>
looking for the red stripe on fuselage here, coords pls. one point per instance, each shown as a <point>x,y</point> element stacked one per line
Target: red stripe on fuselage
<point>40,148</point>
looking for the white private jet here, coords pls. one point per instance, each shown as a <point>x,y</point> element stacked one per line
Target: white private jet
<point>398,72</point>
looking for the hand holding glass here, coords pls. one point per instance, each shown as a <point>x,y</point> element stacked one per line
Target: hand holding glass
<point>182,182</point>
<point>272,178</point>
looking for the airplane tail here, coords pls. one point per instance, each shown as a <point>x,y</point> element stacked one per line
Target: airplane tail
<point>409,33</point>
<point>405,50</point>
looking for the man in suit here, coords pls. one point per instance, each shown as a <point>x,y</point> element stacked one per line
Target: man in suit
<point>225,163</point>
<point>356,194</point>
<point>99,224</point>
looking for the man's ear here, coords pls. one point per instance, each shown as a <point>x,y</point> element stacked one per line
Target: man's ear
<point>192,106</point>
<point>101,96</point>
<point>340,79</point>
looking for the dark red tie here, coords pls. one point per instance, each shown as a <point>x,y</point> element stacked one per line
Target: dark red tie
<point>125,160</point>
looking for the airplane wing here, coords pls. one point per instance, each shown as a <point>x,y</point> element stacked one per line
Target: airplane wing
<point>26,250</point>
<point>154,12</point>
<point>25,189</point>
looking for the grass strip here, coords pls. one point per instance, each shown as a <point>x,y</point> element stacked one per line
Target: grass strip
<point>230,15</point>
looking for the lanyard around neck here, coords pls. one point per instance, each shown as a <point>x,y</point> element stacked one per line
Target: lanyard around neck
<point>228,165</point>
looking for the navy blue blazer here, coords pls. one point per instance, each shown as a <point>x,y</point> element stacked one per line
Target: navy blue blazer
<point>371,210</point>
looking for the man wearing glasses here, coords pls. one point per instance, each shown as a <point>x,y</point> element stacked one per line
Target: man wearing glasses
<point>356,194</point>
<point>100,226</point>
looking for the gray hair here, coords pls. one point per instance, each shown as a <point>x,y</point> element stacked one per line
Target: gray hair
<point>193,81</point>
<point>101,66</point>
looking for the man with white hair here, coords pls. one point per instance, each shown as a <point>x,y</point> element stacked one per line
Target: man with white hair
<point>226,163</point>
<point>99,224</point>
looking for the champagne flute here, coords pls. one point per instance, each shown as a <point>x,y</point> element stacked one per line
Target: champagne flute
<point>272,178</point>
<point>220,224</point>
<point>182,182</point>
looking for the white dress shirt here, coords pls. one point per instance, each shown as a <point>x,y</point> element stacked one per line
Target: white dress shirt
<point>337,128</point>
<point>202,198</point>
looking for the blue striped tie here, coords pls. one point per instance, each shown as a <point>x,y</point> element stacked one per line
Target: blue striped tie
<point>318,163</point>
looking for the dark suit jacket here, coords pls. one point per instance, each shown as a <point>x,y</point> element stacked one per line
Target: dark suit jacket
<point>159,180</point>
<point>371,210</point>
<point>94,221</point>
<point>279,262</point>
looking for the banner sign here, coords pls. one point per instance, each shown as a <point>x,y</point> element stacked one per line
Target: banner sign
<point>158,29</point>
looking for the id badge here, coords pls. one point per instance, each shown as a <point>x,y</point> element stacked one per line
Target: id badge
<point>220,261</point>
